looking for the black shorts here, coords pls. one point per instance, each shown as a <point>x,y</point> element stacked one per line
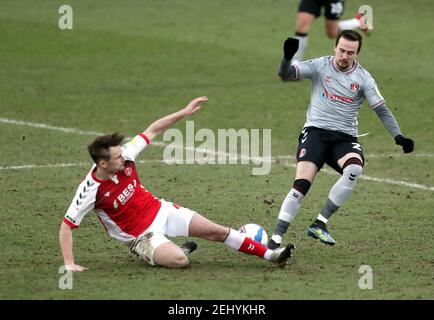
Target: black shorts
<point>334,9</point>
<point>324,146</point>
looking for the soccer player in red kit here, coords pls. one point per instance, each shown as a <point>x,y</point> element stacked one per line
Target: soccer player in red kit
<point>133,215</point>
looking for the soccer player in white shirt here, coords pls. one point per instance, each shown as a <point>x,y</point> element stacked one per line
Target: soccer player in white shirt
<point>131,214</point>
<point>339,87</point>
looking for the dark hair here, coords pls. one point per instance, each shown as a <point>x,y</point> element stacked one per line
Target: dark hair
<point>99,148</point>
<point>350,35</point>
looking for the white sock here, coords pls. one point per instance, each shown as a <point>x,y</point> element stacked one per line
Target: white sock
<point>350,24</point>
<point>343,188</point>
<point>321,218</point>
<point>276,238</point>
<point>268,254</point>
<point>234,240</point>
<point>290,205</point>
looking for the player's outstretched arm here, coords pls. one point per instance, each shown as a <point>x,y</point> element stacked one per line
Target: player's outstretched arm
<point>391,125</point>
<point>65,238</point>
<point>286,70</point>
<point>164,123</point>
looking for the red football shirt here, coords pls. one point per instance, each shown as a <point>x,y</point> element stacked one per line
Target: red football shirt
<point>123,205</point>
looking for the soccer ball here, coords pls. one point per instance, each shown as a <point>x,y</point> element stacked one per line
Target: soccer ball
<point>255,232</point>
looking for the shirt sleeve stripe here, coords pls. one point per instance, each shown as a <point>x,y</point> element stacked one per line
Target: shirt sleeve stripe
<point>69,223</point>
<point>377,104</point>
<point>297,71</point>
<point>144,137</point>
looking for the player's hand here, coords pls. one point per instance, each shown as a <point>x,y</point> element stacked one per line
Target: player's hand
<point>406,143</point>
<point>75,268</point>
<point>194,105</point>
<point>290,47</point>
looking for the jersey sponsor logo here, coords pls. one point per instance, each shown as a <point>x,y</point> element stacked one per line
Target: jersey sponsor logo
<point>128,171</point>
<point>335,97</point>
<point>302,153</point>
<point>126,194</point>
<point>115,204</point>
<point>354,87</point>
<point>341,98</point>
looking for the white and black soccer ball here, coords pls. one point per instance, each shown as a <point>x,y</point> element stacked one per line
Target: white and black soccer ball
<point>255,232</point>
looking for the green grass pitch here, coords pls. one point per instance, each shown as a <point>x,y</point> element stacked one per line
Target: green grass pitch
<point>126,63</point>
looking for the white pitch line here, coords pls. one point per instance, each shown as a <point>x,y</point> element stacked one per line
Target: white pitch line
<point>378,156</point>
<point>397,182</point>
<point>40,166</point>
<point>46,126</point>
<point>63,165</point>
<point>399,155</point>
<point>274,160</point>
<point>381,180</point>
<point>157,143</point>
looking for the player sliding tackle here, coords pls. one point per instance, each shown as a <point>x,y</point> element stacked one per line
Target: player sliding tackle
<point>133,215</point>
<point>339,87</point>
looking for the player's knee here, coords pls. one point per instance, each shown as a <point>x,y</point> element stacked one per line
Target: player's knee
<point>356,169</point>
<point>332,34</point>
<point>332,29</point>
<point>302,186</point>
<point>182,261</point>
<point>353,166</point>
<point>214,232</point>
<point>179,261</point>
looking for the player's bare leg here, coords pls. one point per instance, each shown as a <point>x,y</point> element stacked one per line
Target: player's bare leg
<point>306,170</point>
<point>203,228</point>
<point>304,176</point>
<point>352,165</point>
<point>170,255</point>
<point>332,28</point>
<point>302,27</point>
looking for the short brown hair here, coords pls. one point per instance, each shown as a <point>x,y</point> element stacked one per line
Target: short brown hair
<point>99,148</point>
<point>350,35</point>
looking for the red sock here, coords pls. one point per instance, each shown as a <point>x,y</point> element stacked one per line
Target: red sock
<point>252,247</point>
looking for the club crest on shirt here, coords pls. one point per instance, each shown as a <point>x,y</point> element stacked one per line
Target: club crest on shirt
<point>354,87</point>
<point>328,78</point>
<point>128,171</point>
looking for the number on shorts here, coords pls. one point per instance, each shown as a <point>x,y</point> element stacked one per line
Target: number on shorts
<point>357,146</point>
